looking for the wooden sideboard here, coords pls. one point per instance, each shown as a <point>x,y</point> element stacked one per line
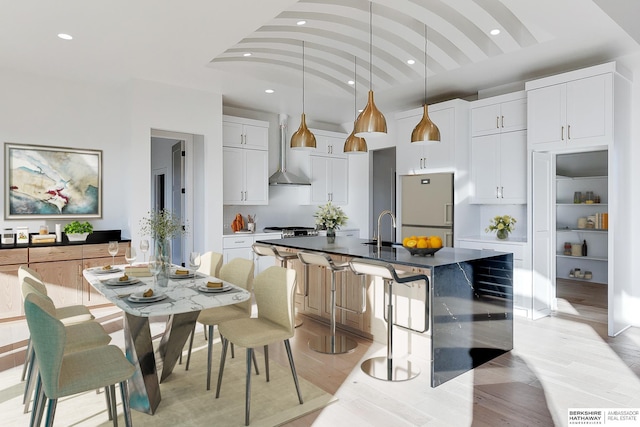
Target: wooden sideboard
<point>61,268</point>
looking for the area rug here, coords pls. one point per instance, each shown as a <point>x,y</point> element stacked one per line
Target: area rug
<point>185,400</point>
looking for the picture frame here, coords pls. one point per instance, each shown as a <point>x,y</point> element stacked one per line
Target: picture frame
<point>47,182</point>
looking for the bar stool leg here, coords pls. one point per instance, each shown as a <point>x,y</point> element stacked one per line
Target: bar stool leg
<point>333,344</point>
<point>384,368</point>
<point>298,320</point>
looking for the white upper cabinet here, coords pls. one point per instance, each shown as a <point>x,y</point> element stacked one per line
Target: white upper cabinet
<point>499,168</point>
<point>573,114</point>
<point>245,161</point>
<point>331,146</point>
<point>329,180</point>
<point>329,168</point>
<point>245,177</point>
<point>421,158</point>
<point>505,113</point>
<point>245,133</point>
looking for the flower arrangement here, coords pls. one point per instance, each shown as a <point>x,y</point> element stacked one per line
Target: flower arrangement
<point>161,225</point>
<point>504,223</point>
<point>330,217</point>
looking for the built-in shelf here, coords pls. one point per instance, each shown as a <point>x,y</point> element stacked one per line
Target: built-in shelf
<point>589,258</point>
<point>581,230</point>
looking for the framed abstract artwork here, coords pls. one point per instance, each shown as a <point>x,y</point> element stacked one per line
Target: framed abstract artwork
<point>52,182</point>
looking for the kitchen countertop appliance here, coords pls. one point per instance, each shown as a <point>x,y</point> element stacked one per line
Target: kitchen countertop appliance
<point>427,206</point>
<point>292,231</point>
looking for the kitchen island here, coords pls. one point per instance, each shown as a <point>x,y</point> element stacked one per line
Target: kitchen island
<point>469,299</point>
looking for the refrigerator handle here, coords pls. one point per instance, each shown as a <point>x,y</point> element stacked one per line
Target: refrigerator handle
<point>448,239</point>
<point>448,213</point>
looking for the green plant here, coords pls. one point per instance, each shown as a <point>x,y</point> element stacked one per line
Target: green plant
<point>161,225</point>
<point>504,222</point>
<point>77,227</point>
<point>330,216</point>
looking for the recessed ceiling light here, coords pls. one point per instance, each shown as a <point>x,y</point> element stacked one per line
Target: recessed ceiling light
<point>269,90</point>
<point>411,61</point>
<point>246,54</point>
<point>494,32</point>
<point>351,82</point>
<point>301,22</point>
<point>64,36</point>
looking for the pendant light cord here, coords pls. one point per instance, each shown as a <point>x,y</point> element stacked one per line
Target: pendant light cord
<point>303,77</point>
<point>425,63</point>
<point>370,45</point>
<point>355,88</point>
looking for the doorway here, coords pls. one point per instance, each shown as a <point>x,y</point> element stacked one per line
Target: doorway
<point>383,190</point>
<point>174,166</point>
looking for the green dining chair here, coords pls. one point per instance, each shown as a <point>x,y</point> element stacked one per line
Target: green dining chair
<point>63,372</point>
<point>274,291</point>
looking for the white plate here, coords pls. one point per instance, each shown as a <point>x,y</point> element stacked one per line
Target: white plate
<point>139,297</point>
<point>173,275</point>
<point>224,288</point>
<point>100,270</point>
<point>117,282</point>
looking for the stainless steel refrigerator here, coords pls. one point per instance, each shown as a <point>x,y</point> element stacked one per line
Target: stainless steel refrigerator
<point>427,206</point>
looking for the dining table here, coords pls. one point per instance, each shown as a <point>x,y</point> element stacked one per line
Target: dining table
<point>180,301</point>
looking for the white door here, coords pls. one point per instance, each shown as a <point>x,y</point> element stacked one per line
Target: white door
<point>544,275</point>
<point>178,198</point>
<point>233,175</point>
<point>513,167</point>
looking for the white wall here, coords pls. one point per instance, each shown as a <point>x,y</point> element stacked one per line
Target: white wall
<point>41,111</point>
<point>117,120</point>
<point>157,106</point>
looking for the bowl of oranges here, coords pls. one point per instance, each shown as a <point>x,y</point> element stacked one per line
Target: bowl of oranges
<point>422,245</point>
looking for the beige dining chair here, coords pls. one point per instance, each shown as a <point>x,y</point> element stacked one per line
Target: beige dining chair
<point>210,263</point>
<point>238,271</point>
<point>65,371</point>
<point>274,291</point>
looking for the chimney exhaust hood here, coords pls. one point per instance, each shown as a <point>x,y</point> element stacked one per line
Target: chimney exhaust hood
<point>281,176</point>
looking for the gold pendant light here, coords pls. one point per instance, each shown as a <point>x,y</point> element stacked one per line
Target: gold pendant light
<point>371,122</point>
<point>303,138</point>
<point>353,144</point>
<point>425,132</point>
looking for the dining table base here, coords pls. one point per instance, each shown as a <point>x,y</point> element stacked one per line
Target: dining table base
<point>144,385</point>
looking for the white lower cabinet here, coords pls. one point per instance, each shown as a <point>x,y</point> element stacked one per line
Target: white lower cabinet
<point>521,268</point>
<point>240,246</point>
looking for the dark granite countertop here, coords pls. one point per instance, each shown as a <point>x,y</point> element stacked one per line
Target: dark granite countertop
<point>354,247</point>
<point>97,237</point>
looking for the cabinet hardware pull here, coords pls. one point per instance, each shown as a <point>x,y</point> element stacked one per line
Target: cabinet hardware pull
<point>562,133</point>
<point>497,124</point>
<point>502,192</point>
<point>497,193</point>
<point>502,121</point>
<point>568,131</point>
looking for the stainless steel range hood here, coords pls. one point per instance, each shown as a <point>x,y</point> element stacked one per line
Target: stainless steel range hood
<point>281,176</point>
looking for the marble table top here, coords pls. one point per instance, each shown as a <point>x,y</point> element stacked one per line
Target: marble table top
<point>182,295</point>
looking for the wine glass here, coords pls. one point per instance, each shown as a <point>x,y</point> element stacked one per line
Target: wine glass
<point>130,255</point>
<point>113,251</point>
<point>144,247</point>
<point>194,262</point>
<point>155,264</point>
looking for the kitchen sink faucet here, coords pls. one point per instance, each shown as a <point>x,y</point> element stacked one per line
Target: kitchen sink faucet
<point>393,218</point>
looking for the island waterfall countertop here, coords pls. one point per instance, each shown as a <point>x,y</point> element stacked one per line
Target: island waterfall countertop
<point>358,248</point>
<point>469,299</point>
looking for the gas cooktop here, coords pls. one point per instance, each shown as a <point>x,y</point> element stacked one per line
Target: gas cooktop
<point>292,231</point>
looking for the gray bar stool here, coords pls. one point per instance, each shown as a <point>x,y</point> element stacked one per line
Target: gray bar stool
<point>385,368</point>
<point>263,249</point>
<point>333,343</point>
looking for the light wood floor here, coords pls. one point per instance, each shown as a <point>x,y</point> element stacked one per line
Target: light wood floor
<point>559,362</point>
